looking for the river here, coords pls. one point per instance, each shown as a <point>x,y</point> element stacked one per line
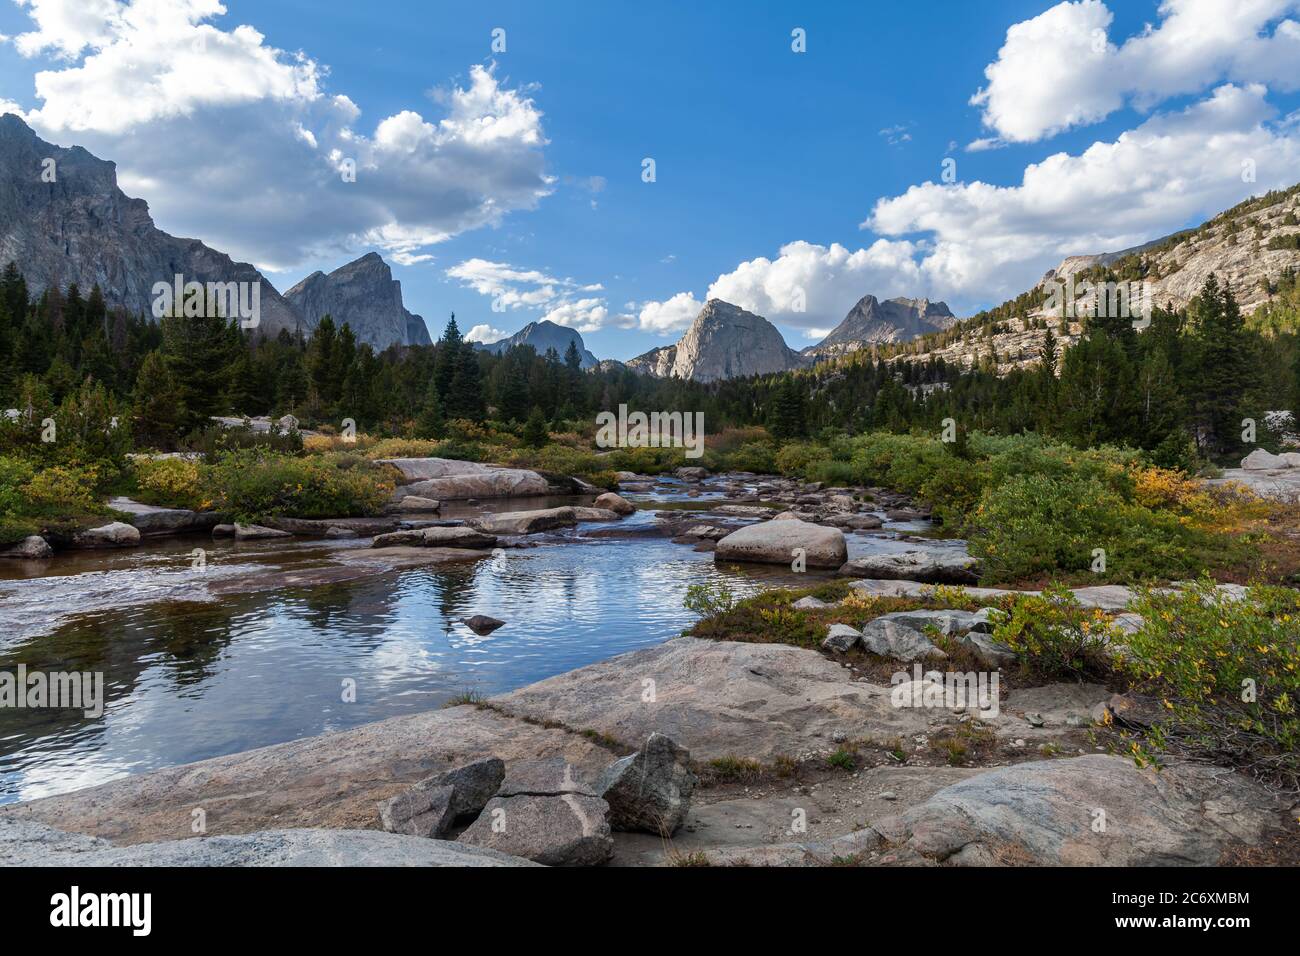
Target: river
<point>188,677</point>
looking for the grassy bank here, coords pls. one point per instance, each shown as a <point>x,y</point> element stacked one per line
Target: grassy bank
<point>1217,675</point>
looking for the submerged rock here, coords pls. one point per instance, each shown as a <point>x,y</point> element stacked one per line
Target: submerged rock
<point>418,504</point>
<point>482,625</point>
<point>256,532</point>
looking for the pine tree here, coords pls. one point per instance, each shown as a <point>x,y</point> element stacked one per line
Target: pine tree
<point>448,360</point>
<point>535,433</point>
<point>1224,369</point>
<point>157,409</point>
<point>431,424</point>
<point>787,418</point>
<point>465,396</point>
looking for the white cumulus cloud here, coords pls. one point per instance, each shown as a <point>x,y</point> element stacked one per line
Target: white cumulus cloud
<point>1061,68</point>
<point>240,143</point>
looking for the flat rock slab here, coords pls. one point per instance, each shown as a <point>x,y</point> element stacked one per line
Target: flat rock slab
<point>1046,813</point>
<point>364,527</point>
<point>333,780</point>
<point>151,520</point>
<point>733,829</point>
<point>718,699</point>
<point>34,844</point>
<point>933,565</point>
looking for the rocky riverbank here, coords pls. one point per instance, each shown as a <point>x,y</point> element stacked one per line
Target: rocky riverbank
<point>757,724</point>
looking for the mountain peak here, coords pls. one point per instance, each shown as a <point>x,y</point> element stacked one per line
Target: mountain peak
<point>871,322</point>
<point>364,294</point>
<point>725,341</point>
<point>541,335</point>
<point>82,228</point>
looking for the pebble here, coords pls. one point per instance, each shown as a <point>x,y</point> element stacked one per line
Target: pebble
<point>889,795</point>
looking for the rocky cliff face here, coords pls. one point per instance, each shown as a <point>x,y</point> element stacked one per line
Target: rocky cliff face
<point>365,295</point>
<point>82,228</point>
<point>895,320</point>
<point>1234,246</point>
<point>542,336</point>
<point>724,342</point>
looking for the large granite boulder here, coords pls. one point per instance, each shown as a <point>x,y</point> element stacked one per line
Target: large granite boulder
<point>1261,460</point>
<point>544,812</point>
<point>898,640</point>
<point>778,542</point>
<point>151,520</point>
<point>651,789</point>
<point>1093,810</point>
<point>938,565</point>
<point>447,479</point>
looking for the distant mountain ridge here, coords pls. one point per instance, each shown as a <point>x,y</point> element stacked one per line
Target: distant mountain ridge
<point>541,336</point>
<point>871,322</point>
<point>81,228</point>
<point>365,295</point>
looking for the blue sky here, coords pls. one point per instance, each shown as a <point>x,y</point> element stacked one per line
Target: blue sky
<point>756,147</point>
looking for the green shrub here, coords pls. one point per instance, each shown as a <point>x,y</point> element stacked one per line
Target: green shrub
<point>758,457</point>
<point>709,599</point>
<point>1034,524</point>
<point>170,482</point>
<point>1227,673</point>
<point>1055,636</point>
<point>253,484</point>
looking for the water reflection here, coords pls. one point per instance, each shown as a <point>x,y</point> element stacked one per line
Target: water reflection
<point>187,679</point>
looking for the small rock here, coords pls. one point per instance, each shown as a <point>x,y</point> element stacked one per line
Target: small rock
<point>418,504</point>
<point>1035,720</point>
<point>615,503</point>
<point>116,534</point>
<point>482,625</point>
<point>809,603</point>
<point>841,638</point>
<point>889,795</point>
